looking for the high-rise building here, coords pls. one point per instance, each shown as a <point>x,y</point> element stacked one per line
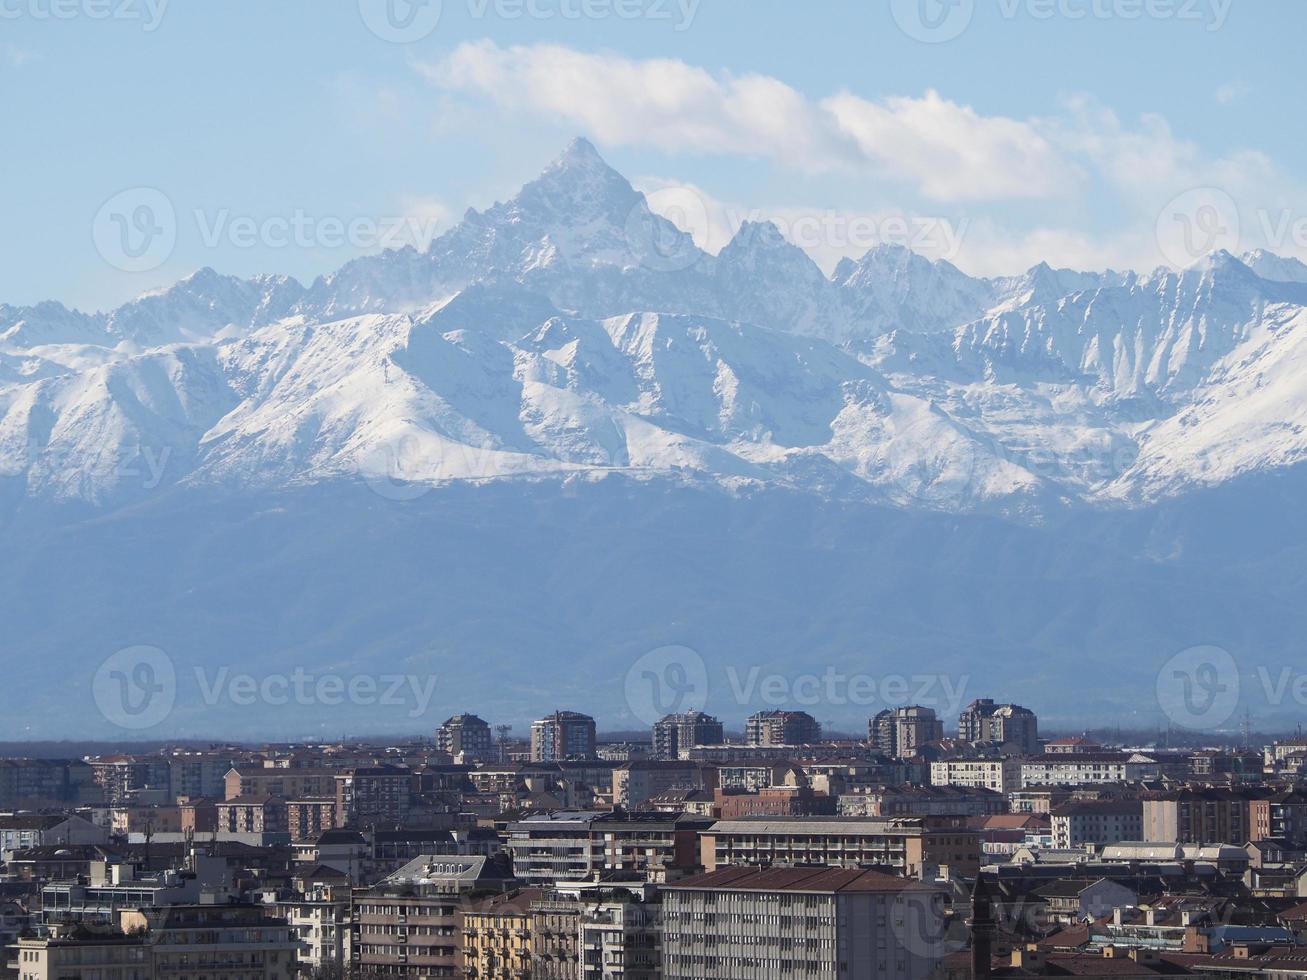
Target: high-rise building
<point>675,732</point>
<point>903,732</point>
<point>563,735</point>
<point>881,734</point>
<point>985,721</point>
<point>466,735</point>
<point>782,728</point>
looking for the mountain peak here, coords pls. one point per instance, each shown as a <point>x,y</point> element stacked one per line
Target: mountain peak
<point>581,182</point>
<point>581,150</point>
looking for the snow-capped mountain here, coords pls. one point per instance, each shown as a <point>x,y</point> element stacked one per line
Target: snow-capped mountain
<point>572,331</point>
<point>485,445</point>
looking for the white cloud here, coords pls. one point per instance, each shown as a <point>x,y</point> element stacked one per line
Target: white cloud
<point>1080,187</point>
<point>955,153</point>
<point>948,150</point>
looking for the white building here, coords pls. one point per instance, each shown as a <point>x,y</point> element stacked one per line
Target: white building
<point>1087,769</point>
<point>772,923</point>
<point>1000,775</point>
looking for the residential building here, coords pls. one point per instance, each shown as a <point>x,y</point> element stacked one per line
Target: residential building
<point>252,815</point>
<point>310,815</point>
<point>319,919</point>
<point>466,737</point>
<point>1078,823</point>
<point>635,782</point>
<point>571,845</point>
<point>1087,768</point>
<point>1199,816</point>
<point>907,846</point>
<point>255,780</point>
<point>753,923</point>
<point>214,941</point>
<point>497,935</point>
<point>28,784</point>
<point>621,939</point>
<point>782,728</point>
<point>62,955</point>
<point>1000,775</point>
<point>902,732</point>
<point>374,796</point>
<point>563,735</point>
<point>673,733</point>
<point>1004,724</point>
<point>21,831</point>
<point>409,924</point>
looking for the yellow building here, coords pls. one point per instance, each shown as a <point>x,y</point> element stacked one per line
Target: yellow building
<point>497,936</point>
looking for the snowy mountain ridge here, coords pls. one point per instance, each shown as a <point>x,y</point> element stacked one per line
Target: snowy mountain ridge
<point>571,333</point>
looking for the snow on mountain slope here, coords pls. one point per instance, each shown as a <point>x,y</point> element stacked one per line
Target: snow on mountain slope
<point>1154,336</point>
<point>1277,268</point>
<point>1250,414</point>
<point>571,331</point>
<point>117,430</point>
<point>893,288</point>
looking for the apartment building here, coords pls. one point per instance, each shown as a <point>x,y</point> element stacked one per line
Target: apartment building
<point>252,815</point>
<point>635,782</point>
<point>1088,768</point>
<point>174,941</point>
<point>307,816</point>
<point>496,935</point>
<point>571,845</point>
<point>1006,724</point>
<point>409,924</point>
<point>781,728</point>
<point>1199,816</point>
<point>253,780</point>
<point>1078,823</point>
<point>904,846</point>
<point>563,735</point>
<point>374,796</point>
<point>21,831</point>
<point>901,733</point>
<point>27,784</point>
<point>999,775</point>
<point>755,923</point>
<point>318,917</point>
<point>673,733</point>
<point>621,939</point>
<point>467,737</point>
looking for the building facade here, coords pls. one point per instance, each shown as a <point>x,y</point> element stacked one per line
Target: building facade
<point>782,728</point>
<point>563,735</point>
<point>684,731</point>
<point>751,924</point>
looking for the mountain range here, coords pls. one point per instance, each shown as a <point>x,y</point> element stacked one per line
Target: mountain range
<point>563,435</point>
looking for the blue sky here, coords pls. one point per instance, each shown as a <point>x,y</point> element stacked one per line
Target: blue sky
<point>1057,129</point>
